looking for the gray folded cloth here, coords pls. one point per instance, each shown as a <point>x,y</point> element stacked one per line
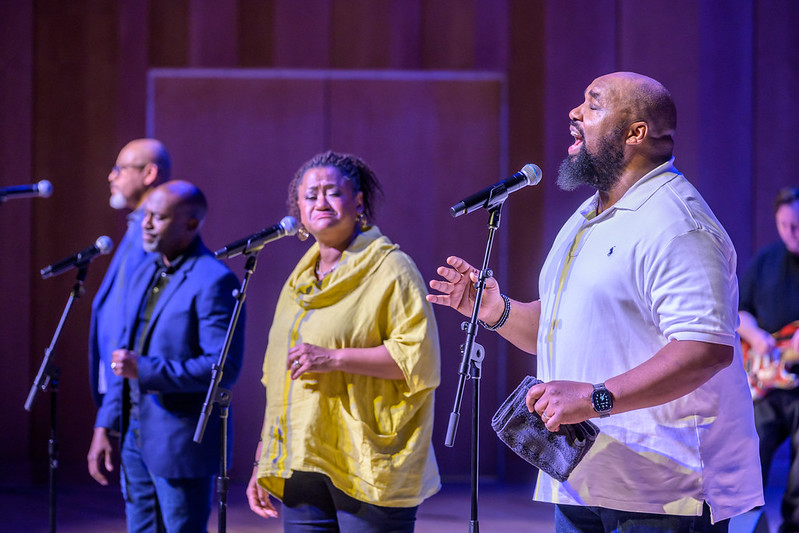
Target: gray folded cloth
<point>556,453</point>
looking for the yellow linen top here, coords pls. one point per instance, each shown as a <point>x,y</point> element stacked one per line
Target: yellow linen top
<point>370,436</point>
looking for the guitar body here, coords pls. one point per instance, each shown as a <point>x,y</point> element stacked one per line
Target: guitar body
<point>768,371</point>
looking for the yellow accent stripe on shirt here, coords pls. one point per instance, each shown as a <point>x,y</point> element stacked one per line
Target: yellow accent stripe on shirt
<point>282,427</point>
<point>564,274</point>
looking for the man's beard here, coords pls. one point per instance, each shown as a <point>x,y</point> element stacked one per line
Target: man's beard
<point>117,201</point>
<point>601,171</point>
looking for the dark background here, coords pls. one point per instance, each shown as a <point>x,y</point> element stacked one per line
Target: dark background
<point>441,97</point>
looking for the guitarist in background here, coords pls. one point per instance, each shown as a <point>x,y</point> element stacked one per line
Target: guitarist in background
<point>769,303</point>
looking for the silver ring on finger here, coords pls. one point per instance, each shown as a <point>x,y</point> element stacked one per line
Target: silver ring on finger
<point>296,363</point>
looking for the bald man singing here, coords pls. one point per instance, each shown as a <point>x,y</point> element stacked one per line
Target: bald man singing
<point>634,329</point>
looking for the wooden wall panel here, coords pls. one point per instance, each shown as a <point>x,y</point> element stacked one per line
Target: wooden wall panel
<point>723,126</point>
<point>213,26</point>
<point>776,84</point>
<point>256,33</point>
<point>358,45</point>
<point>303,33</point>
<point>16,221</point>
<point>406,34</point>
<point>169,28</point>
<point>448,34</point>
<point>132,62</point>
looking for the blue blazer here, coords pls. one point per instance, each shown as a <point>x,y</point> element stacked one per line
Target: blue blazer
<point>183,340</point>
<point>107,323</point>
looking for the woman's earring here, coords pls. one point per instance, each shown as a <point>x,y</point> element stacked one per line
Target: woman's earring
<point>362,221</point>
<point>302,233</point>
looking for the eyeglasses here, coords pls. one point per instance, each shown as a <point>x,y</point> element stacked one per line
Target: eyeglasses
<point>119,168</point>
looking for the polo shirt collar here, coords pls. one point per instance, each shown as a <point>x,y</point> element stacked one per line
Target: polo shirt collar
<point>638,194</point>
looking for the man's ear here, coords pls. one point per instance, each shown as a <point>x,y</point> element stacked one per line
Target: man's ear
<point>150,174</point>
<point>637,132</point>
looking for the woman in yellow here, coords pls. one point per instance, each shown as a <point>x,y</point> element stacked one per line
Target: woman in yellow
<point>350,369</point>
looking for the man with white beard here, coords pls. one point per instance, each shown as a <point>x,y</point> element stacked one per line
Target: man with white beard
<point>141,165</point>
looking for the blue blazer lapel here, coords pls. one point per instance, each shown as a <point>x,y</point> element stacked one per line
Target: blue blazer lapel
<point>130,250</point>
<point>112,272</point>
<point>178,279</point>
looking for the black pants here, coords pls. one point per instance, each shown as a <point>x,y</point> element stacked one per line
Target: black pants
<point>312,503</point>
<point>777,419</point>
<point>578,519</point>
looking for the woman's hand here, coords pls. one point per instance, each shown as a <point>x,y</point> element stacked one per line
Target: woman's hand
<point>375,361</point>
<point>306,357</point>
<point>259,499</point>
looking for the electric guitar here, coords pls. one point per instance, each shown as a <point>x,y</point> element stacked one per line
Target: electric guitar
<point>770,371</point>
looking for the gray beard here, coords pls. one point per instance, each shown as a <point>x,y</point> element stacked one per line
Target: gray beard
<point>601,171</point>
<point>117,201</point>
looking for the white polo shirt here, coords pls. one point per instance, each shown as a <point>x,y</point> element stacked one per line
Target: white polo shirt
<point>617,287</point>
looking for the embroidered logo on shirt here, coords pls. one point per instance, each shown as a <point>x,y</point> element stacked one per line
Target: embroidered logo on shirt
<point>610,252</point>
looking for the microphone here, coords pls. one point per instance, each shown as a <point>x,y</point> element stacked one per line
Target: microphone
<point>496,194</point>
<point>43,189</point>
<point>256,241</point>
<point>102,245</point>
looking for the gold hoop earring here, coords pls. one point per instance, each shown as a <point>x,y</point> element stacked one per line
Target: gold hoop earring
<point>302,233</point>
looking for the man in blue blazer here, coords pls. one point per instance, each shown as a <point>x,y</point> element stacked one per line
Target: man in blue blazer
<point>177,312</point>
<point>141,165</point>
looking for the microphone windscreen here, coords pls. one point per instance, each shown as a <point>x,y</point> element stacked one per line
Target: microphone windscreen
<point>289,225</point>
<point>104,244</point>
<point>532,172</point>
<point>45,188</point>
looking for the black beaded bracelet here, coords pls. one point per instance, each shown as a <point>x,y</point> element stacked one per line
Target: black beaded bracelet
<point>502,319</point>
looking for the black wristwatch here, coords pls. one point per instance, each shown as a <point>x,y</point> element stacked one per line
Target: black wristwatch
<point>602,400</point>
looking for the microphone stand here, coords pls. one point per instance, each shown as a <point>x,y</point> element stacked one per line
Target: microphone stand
<point>471,364</point>
<point>221,396</point>
<point>48,375</point>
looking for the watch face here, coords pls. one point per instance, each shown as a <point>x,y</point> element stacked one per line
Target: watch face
<point>602,400</point>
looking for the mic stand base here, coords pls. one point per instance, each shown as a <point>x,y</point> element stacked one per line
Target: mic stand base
<point>222,481</point>
<point>52,447</point>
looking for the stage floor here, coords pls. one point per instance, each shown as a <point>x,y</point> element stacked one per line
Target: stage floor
<point>86,509</point>
<point>501,508</point>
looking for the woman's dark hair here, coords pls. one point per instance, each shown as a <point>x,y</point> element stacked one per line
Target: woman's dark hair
<point>357,172</point>
<point>786,196</point>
